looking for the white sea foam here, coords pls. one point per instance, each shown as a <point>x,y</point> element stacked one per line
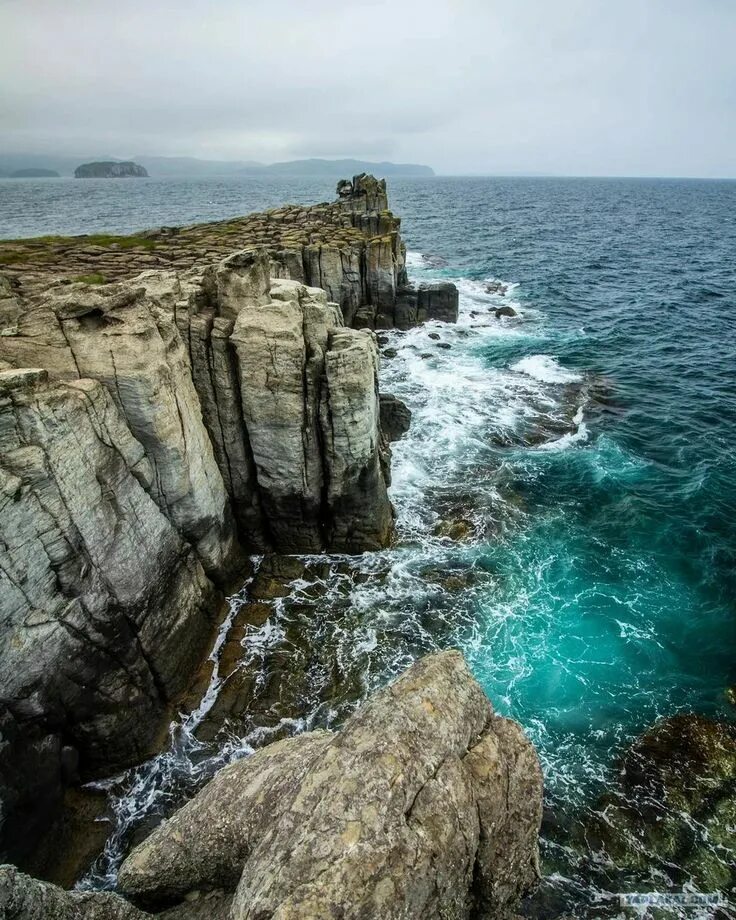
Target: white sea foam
<point>415,260</point>
<point>546,369</point>
<point>577,436</point>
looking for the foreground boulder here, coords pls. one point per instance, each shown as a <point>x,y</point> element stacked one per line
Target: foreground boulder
<point>425,805</point>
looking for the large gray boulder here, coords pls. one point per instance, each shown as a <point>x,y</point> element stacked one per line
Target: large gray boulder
<point>424,805</point>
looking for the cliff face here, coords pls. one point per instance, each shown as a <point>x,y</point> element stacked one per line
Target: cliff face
<point>425,805</point>
<point>110,170</point>
<point>151,430</point>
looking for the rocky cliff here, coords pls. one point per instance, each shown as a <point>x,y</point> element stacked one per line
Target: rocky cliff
<point>425,805</point>
<point>152,429</point>
<point>110,170</point>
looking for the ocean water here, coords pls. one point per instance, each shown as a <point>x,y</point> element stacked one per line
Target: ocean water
<point>566,495</point>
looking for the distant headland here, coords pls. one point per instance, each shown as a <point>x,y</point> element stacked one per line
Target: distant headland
<point>34,174</point>
<point>195,168</point>
<point>110,170</point>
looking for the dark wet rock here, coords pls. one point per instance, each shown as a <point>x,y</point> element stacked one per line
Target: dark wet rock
<point>426,354</point>
<point>389,352</point>
<point>437,300</point>
<point>505,311</point>
<point>395,417</point>
<point>676,804</point>
<point>79,835</point>
<point>424,805</point>
<point>459,529</point>
<point>434,335</point>
<point>496,287</point>
<point>274,576</point>
<point>445,345</point>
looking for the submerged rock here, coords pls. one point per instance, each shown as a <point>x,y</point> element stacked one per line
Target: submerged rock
<point>676,804</point>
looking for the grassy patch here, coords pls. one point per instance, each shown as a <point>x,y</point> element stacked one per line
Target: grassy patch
<point>95,278</point>
<point>93,239</point>
<point>13,257</point>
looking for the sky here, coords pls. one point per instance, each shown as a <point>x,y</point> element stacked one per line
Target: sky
<point>567,87</point>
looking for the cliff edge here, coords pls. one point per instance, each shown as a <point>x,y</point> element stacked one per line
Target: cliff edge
<point>153,430</point>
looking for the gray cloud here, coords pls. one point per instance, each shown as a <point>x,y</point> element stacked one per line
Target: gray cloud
<point>563,86</point>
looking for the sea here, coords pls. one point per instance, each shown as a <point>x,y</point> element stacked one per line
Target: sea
<point>565,496</point>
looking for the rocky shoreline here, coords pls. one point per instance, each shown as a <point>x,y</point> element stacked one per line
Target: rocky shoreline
<point>170,404</point>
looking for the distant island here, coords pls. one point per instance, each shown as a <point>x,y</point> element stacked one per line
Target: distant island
<point>110,170</point>
<point>33,173</point>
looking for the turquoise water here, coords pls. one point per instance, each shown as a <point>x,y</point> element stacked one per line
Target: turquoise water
<point>614,592</point>
<point>587,447</point>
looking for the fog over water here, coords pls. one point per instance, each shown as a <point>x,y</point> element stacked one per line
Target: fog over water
<point>576,87</point>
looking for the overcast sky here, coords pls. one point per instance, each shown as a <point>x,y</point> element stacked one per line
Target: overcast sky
<point>577,87</point>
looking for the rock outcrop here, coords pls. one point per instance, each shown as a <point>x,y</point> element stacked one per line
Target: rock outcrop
<point>151,428</point>
<point>425,805</point>
<point>110,170</point>
<point>105,607</point>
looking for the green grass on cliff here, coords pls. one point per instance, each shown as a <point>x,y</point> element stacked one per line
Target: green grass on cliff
<point>93,239</point>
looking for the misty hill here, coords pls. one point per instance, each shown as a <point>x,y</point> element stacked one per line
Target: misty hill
<point>194,168</point>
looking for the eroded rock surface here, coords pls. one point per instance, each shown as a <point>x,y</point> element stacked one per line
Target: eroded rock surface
<point>104,607</point>
<point>351,248</point>
<point>425,805</point>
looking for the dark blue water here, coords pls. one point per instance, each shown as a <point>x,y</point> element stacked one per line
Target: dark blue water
<point>588,445</point>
